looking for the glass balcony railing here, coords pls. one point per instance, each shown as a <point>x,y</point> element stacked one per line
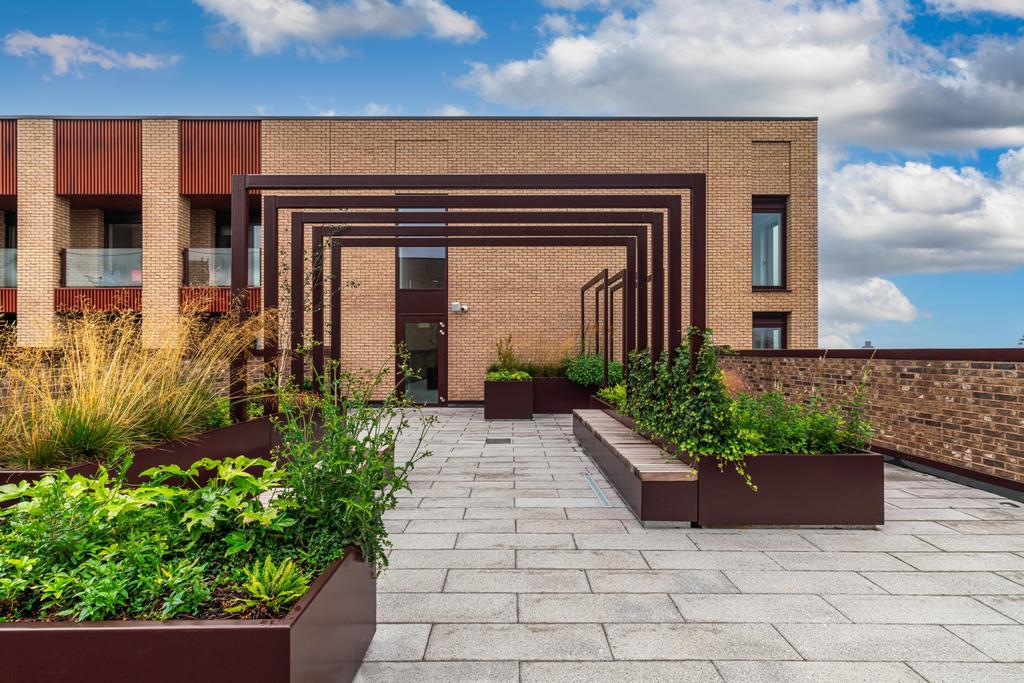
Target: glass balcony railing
<point>211,267</point>
<point>8,267</point>
<point>103,268</point>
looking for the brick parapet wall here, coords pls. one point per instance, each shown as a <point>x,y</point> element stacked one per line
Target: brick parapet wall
<point>964,413</point>
<point>43,230</point>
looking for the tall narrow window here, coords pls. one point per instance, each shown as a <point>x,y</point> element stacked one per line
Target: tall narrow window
<point>422,267</point>
<point>768,226</point>
<point>11,230</point>
<point>124,230</point>
<point>769,331</point>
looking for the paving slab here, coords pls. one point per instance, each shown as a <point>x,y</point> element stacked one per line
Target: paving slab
<point>659,581</point>
<point>446,607</point>
<point>698,641</point>
<point>838,561</point>
<point>945,583</point>
<point>393,580</point>
<point>580,559</point>
<point>816,672</point>
<point>597,608</point>
<point>879,643</point>
<point>517,642</point>
<point>916,609</point>
<point>954,672</point>
<point>437,672</point>
<point>517,581</point>
<point>1001,643</point>
<point>708,559</point>
<point>749,608</point>
<point>967,561</point>
<point>398,642</point>
<point>814,582</point>
<point>648,672</point>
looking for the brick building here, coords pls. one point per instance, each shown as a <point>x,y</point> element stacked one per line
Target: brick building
<point>135,213</point>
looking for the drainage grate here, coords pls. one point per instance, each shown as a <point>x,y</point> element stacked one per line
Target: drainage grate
<point>597,491</point>
<point>493,441</point>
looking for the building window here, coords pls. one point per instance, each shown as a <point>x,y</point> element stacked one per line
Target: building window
<point>222,232</point>
<point>10,229</point>
<point>123,230</point>
<point>769,331</point>
<point>768,223</point>
<point>422,267</point>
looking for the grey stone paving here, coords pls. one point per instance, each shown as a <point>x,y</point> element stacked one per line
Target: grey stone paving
<point>506,567</point>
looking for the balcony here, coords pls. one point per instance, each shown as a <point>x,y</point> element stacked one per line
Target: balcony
<point>100,279</point>
<point>211,267</point>
<point>8,280</point>
<point>207,279</point>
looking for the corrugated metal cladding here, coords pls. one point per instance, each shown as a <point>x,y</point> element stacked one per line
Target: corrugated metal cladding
<point>75,300</point>
<point>9,300</point>
<point>98,157</point>
<point>213,151</point>
<point>8,157</point>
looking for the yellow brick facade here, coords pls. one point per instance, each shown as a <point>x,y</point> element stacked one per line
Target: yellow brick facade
<point>531,293</point>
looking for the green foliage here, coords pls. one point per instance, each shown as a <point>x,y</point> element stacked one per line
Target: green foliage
<point>506,375</point>
<point>614,395</point>
<point>237,536</point>
<point>690,408</point>
<point>342,474</point>
<point>270,589</point>
<point>537,369</point>
<point>588,370</point>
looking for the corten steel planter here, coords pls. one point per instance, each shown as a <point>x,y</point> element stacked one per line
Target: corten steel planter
<point>822,489</point>
<point>825,489</point>
<point>559,395</point>
<point>508,400</point>
<point>252,438</point>
<point>323,639</point>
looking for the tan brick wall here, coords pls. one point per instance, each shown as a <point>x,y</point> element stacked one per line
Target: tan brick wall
<point>741,158</point>
<point>964,413</point>
<point>202,232</point>
<point>87,227</point>
<point>165,229</point>
<point>43,230</point>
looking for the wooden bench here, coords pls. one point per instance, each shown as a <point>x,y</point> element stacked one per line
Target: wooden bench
<point>656,487</point>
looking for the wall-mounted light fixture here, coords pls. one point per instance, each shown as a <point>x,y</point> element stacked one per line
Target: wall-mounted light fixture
<point>459,307</point>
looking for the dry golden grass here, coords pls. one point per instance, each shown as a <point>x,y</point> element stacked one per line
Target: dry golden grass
<point>100,389</point>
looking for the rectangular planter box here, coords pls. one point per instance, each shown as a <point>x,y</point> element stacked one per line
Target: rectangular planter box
<point>559,395</point>
<point>322,639</point>
<point>252,438</point>
<point>508,400</point>
<point>827,489</point>
<point>650,501</point>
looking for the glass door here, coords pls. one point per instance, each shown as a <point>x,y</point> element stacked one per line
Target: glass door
<point>426,341</point>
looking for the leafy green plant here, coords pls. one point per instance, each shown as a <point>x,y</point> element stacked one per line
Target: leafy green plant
<point>270,588</point>
<point>506,375</point>
<point>687,405</point>
<point>588,370</point>
<point>614,395</point>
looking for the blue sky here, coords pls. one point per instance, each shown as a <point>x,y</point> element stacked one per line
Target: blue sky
<point>921,105</point>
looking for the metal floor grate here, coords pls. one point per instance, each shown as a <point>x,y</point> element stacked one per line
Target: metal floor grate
<point>491,441</point>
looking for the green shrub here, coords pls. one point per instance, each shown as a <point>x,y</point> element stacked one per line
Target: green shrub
<point>508,359</point>
<point>244,543</point>
<point>535,369</point>
<point>588,370</point>
<point>691,408</point>
<point>614,395</point>
<point>506,375</point>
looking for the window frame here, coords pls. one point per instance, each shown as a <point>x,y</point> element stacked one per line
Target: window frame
<point>10,229</point>
<point>398,252</point>
<point>772,204</point>
<point>771,320</point>
<point>112,218</point>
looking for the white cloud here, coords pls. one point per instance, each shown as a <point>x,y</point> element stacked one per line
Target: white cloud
<point>452,110</point>
<point>1010,7</point>
<point>557,24</point>
<point>846,306</point>
<point>377,109</point>
<point>851,63</point>
<point>268,26</point>
<point>72,53</point>
<point>916,218</point>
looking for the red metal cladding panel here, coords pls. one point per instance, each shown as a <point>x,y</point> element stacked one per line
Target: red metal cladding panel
<point>97,157</point>
<point>8,300</point>
<point>77,299</point>
<point>8,157</point>
<point>213,151</point>
<point>214,299</point>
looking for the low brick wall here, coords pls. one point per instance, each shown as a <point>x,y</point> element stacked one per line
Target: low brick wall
<point>959,407</point>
